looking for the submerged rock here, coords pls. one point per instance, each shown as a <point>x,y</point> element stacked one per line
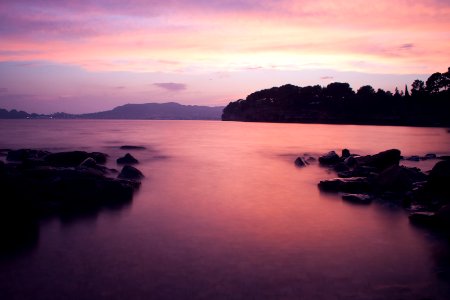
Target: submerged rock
<point>357,198</point>
<point>381,160</point>
<point>23,154</point>
<point>301,162</point>
<point>398,179</point>
<point>127,159</point>
<point>329,159</point>
<point>347,185</point>
<point>73,158</point>
<point>129,172</point>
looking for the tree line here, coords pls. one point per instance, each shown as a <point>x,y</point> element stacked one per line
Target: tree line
<point>424,104</point>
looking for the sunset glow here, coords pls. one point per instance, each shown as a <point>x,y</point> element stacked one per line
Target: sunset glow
<point>107,53</point>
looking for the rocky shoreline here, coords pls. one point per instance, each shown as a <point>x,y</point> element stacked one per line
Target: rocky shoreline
<point>36,184</point>
<point>363,179</point>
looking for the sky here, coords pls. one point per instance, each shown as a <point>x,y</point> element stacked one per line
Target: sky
<point>87,55</point>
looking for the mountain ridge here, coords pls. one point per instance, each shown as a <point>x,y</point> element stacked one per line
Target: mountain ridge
<point>132,111</point>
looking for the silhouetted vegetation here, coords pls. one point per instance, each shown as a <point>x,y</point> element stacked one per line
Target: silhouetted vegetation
<point>428,104</point>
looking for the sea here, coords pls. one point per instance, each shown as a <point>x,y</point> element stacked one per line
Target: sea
<point>224,213</point>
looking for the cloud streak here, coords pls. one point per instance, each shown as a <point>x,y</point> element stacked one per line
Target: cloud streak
<point>171,86</point>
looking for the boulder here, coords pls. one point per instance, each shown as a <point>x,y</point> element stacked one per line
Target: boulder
<point>352,185</point>
<point>88,163</point>
<point>381,160</point>
<point>128,159</point>
<point>439,181</point>
<point>413,158</point>
<point>129,172</point>
<point>398,179</point>
<point>73,158</point>
<point>329,158</point>
<point>423,218</point>
<point>301,162</point>
<point>430,156</point>
<point>350,161</point>
<point>345,153</point>
<point>130,147</point>
<point>23,154</point>
<point>357,198</point>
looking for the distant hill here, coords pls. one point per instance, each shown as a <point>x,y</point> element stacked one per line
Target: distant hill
<point>159,111</point>
<point>146,111</point>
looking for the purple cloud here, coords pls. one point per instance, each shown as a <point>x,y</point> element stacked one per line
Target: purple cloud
<point>171,86</point>
<point>327,77</point>
<point>407,46</point>
<point>3,90</point>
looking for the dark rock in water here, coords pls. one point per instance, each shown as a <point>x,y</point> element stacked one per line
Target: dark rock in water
<point>329,159</point>
<point>310,159</point>
<point>301,162</point>
<point>357,198</point>
<point>341,167</point>
<point>129,172</point>
<point>438,184</point>
<point>73,158</point>
<point>443,216</point>
<point>430,156</point>
<point>130,147</point>
<point>345,153</point>
<point>127,159</point>
<point>88,163</point>
<point>22,154</point>
<point>424,218</point>
<point>347,185</point>
<point>398,179</point>
<point>381,160</point>
<point>350,161</point>
<point>413,158</point>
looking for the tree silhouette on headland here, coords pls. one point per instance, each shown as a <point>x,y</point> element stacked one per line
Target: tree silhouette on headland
<point>428,104</point>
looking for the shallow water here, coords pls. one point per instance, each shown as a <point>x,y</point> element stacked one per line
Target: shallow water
<point>223,213</point>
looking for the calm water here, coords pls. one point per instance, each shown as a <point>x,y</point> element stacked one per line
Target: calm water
<point>223,213</point>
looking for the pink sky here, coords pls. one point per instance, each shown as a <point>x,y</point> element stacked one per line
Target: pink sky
<point>84,56</point>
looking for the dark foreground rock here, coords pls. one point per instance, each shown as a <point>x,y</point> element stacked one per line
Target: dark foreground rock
<point>346,185</point>
<point>357,198</point>
<point>53,184</point>
<point>130,172</point>
<point>38,184</point>
<point>128,159</point>
<point>380,176</point>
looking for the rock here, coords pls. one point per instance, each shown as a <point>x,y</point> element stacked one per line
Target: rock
<point>329,159</point>
<point>310,159</point>
<point>357,198</point>
<point>23,154</point>
<point>437,189</point>
<point>300,162</point>
<point>127,159</point>
<point>345,153</point>
<point>413,158</point>
<point>423,218</point>
<point>381,160</point>
<point>130,147</point>
<point>129,172</point>
<point>443,216</point>
<point>398,179</point>
<point>430,156</point>
<point>347,185</point>
<point>73,158</point>
<point>341,167</point>
<point>89,163</point>
<point>350,161</point>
